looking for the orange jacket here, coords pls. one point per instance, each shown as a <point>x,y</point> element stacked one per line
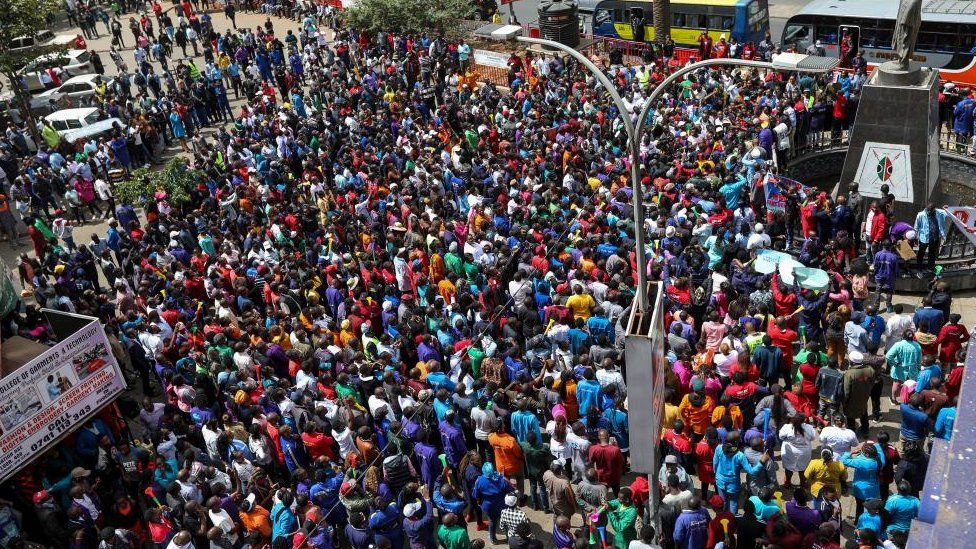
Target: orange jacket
<point>697,418</point>
<point>508,454</point>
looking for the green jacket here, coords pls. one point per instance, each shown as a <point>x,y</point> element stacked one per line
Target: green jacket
<point>455,537</point>
<point>537,459</point>
<point>622,519</point>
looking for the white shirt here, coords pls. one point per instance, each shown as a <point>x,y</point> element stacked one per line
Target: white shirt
<point>222,520</point>
<point>376,404</point>
<point>838,439</point>
<point>345,441</point>
<point>758,240</point>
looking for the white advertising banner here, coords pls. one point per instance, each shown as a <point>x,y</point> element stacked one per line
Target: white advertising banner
<point>44,399</point>
<point>490,58</point>
<point>964,218</point>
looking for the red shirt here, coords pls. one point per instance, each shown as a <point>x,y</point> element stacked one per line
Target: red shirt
<point>609,463</point>
<point>320,444</point>
<point>716,532</point>
<point>783,339</point>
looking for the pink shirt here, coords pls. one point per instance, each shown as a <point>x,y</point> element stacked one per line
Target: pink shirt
<point>713,332</point>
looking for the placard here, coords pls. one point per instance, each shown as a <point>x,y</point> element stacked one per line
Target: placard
<point>43,400</point>
<point>490,58</point>
<point>964,218</point>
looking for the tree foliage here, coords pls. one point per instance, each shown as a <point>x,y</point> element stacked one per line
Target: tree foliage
<point>433,17</point>
<point>24,18</point>
<point>176,179</point>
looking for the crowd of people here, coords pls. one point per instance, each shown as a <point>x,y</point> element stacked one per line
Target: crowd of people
<point>391,307</point>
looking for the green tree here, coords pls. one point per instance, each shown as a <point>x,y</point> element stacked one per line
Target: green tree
<point>439,17</point>
<point>176,179</point>
<point>24,18</point>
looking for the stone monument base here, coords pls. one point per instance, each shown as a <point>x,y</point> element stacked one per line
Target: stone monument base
<point>892,74</point>
<point>894,139</point>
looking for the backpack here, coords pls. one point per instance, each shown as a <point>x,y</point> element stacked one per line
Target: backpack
<point>396,469</point>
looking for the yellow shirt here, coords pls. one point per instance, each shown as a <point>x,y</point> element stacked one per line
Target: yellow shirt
<point>671,413</point>
<point>581,305</point>
<point>821,474</point>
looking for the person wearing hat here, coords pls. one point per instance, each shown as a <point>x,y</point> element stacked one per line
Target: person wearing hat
<point>858,380</point>
<point>870,519</point>
<point>723,526</point>
<point>512,516</point>
<point>49,515</point>
<point>255,519</point>
<point>696,409</point>
<point>490,489</point>
<point>672,466</point>
<point>419,525</point>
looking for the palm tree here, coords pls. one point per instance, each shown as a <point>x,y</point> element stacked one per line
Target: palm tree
<point>662,20</point>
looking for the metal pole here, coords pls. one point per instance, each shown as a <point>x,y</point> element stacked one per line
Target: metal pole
<point>634,146</point>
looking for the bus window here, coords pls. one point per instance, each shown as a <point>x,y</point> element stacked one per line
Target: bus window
<point>868,37</point>
<point>723,22</point>
<point>602,17</point>
<point>801,35</point>
<point>826,34</point>
<point>678,20</point>
<point>700,21</point>
<point>927,41</point>
<point>883,37</point>
<point>796,32</point>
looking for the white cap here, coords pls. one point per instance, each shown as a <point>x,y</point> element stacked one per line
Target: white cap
<point>511,499</point>
<point>759,227</point>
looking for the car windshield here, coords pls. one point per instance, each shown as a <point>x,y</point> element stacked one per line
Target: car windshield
<point>84,57</point>
<point>91,118</point>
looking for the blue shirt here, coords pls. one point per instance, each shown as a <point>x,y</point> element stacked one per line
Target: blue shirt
<point>914,423</point>
<point>691,529</point>
<point>524,421</point>
<point>587,394</point>
<point>944,422</point>
<point>865,483</point>
<point>931,317</point>
<point>903,509</point>
<point>867,521</point>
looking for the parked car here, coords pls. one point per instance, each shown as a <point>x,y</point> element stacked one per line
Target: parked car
<point>67,64</point>
<point>82,123</point>
<point>39,106</point>
<point>81,88</point>
<point>42,38</point>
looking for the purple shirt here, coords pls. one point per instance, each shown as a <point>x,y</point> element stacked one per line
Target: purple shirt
<point>805,519</point>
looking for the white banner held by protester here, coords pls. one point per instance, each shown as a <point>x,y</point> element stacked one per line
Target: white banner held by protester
<point>964,218</point>
<point>490,58</point>
<point>44,399</point>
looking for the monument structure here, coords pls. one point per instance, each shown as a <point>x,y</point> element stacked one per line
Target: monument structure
<point>895,137</point>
